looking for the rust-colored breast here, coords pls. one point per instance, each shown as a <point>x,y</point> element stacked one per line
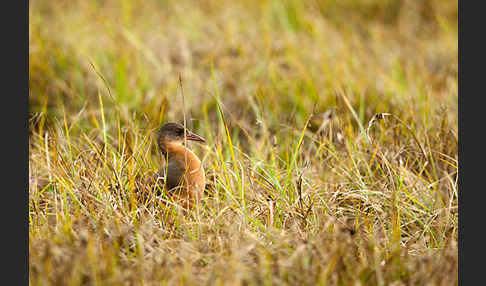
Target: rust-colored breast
<point>186,180</point>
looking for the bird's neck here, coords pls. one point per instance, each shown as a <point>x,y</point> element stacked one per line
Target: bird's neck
<point>174,150</point>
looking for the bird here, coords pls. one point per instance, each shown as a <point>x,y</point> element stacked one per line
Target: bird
<point>183,172</point>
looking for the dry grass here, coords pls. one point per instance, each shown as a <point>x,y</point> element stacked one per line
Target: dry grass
<point>331,129</point>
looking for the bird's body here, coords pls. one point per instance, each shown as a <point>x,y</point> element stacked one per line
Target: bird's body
<point>183,172</point>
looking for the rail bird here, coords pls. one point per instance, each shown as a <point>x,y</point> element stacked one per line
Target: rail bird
<point>183,172</point>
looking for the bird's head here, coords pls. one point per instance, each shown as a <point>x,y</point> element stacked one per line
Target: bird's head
<point>173,133</point>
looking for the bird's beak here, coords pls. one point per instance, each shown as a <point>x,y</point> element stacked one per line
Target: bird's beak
<point>194,137</point>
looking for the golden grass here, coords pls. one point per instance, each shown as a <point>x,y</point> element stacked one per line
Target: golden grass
<point>331,129</point>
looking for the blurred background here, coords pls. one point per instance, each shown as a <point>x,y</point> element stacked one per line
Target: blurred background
<point>278,60</point>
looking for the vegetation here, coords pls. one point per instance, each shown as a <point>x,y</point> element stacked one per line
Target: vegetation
<point>332,142</point>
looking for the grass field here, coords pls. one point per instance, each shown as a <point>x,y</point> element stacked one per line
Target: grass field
<point>331,153</point>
